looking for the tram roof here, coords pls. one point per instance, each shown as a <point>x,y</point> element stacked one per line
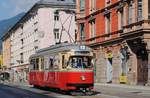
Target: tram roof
<point>62,47</point>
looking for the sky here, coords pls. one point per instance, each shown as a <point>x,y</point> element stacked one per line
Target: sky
<point>10,8</point>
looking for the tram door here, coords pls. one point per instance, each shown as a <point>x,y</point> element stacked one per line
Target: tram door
<point>63,60</point>
<point>64,57</point>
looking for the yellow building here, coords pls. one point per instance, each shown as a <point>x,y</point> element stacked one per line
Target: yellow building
<point>6,51</point>
<point>1,61</point>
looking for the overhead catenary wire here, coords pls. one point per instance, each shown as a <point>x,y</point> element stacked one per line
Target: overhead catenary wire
<point>67,31</point>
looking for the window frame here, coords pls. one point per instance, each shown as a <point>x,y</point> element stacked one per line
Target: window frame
<point>82,5</point>
<point>82,31</point>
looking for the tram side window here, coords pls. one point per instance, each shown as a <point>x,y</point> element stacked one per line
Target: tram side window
<point>51,63</point>
<point>32,62</point>
<point>46,63</point>
<point>36,67</point>
<point>56,62</point>
<point>64,61</point>
<point>42,63</point>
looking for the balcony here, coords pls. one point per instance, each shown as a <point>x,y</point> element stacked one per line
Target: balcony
<point>102,38</point>
<point>136,27</point>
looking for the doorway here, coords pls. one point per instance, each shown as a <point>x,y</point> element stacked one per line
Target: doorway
<point>142,66</point>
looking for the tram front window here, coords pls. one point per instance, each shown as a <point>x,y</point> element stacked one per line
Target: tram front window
<point>80,62</point>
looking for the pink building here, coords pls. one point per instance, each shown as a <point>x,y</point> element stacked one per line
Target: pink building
<point>48,22</point>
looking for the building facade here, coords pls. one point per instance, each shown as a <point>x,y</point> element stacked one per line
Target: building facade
<point>47,23</point>
<point>1,61</point>
<point>6,51</point>
<point>118,31</point>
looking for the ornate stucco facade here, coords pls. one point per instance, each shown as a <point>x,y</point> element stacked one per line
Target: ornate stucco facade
<point>118,31</point>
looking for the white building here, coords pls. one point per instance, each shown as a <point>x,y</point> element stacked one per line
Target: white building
<point>48,22</point>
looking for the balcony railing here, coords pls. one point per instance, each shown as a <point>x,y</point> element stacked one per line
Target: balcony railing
<point>99,37</point>
<point>140,25</point>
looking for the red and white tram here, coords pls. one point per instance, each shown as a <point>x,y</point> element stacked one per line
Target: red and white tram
<point>64,66</point>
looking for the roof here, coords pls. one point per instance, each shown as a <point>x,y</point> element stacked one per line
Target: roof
<point>64,46</point>
<point>57,2</point>
<point>61,47</point>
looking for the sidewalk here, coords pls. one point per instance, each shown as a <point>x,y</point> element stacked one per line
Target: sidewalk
<point>21,84</point>
<point>137,87</point>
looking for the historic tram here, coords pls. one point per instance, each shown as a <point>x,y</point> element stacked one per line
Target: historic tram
<point>63,66</point>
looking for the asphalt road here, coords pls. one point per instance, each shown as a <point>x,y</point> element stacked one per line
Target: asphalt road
<point>14,91</point>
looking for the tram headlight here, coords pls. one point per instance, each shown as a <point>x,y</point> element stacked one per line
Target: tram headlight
<point>83,78</point>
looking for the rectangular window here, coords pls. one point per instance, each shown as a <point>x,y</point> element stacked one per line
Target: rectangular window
<point>82,31</point>
<point>56,33</point>
<point>22,41</point>
<point>82,5</point>
<point>21,57</point>
<point>139,17</point>
<point>130,12</point>
<point>92,29</point>
<point>121,18</point>
<point>35,30</point>
<point>56,16</point>
<point>108,24</point>
<point>148,9</point>
<point>92,5</point>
